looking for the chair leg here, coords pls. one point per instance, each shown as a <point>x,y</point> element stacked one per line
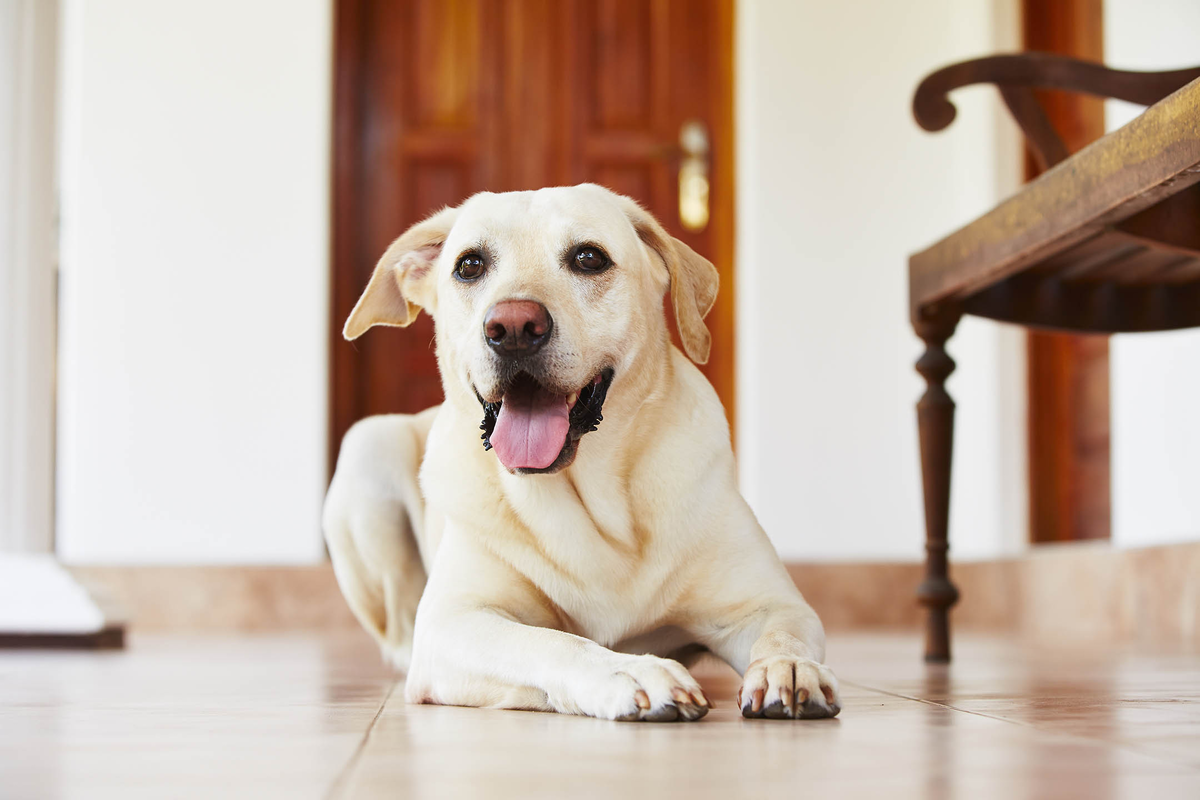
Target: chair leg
<point>935,420</point>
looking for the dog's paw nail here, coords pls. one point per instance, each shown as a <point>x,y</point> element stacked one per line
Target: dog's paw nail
<point>785,697</point>
<point>801,696</point>
<point>828,692</point>
<point>699,699</point>
<point>664,714</point>
<point>642,699</point>
<point>756,701</point>
<point>680,696</point>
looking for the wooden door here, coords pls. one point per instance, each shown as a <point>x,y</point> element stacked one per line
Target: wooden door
<point>438,99</point>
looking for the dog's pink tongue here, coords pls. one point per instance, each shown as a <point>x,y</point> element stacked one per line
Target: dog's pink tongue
<point>531,429</point>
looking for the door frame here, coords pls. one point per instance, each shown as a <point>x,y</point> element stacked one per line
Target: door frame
<point>344,192</point>
<point>28,275</point>
<point>1068,375</point>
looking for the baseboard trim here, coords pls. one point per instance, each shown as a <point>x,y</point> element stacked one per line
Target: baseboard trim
<point>220,598</point>
<point>1077,593</point>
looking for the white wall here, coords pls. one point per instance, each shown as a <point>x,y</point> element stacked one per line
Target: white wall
<point>1155,377</point>
<point>195,202</point>
<point>836,187</point>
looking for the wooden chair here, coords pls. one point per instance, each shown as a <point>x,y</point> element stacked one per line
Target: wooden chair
<point>1105,241</point>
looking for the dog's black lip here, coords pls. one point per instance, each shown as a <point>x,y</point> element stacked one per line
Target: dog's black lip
<point>585,417</point>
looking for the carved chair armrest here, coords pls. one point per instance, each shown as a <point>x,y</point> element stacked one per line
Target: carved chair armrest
<point>1016,76</point>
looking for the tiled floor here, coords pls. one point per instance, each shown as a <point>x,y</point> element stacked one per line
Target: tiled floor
<point>303,716</point>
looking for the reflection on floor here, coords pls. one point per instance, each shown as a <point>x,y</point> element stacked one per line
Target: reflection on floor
<point>319,716</point>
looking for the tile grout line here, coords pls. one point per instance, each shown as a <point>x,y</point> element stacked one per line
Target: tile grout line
<point>344,774</point>
<point>1059,734</point>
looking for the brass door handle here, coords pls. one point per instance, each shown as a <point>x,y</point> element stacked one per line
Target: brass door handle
<point>693,175</point>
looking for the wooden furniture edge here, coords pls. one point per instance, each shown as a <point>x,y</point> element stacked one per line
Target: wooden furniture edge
<point>1067,204</point>
<point>110,637</point>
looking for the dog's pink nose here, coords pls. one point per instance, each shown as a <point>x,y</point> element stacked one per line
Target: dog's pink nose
<point>517,328</point>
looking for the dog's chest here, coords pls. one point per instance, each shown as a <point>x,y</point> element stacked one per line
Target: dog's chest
<point>599,547</point>
<point>607,599</point>
<point>603,561</point>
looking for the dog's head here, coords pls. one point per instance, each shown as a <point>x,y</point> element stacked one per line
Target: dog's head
<point>542,301</point>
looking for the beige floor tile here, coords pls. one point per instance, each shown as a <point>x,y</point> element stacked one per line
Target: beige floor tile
<point>305,716</point>
<point>882,745</point>
<point>203,717</point>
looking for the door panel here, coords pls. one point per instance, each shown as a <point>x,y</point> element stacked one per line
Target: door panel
<point>439,99</point>
<point>617,34</point>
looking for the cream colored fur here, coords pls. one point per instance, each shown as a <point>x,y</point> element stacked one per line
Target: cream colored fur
<point>569,591</point>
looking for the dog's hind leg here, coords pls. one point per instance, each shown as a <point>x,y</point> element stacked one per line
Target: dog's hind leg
<point>401,593</point>
<point>373,519</point>
<point>379,570</point>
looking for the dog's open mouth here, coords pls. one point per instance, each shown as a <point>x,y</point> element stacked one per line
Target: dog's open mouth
<point>535,429</point>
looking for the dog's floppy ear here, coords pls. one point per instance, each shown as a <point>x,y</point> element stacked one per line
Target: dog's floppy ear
<point>694,282</point>
<point>402,283</point>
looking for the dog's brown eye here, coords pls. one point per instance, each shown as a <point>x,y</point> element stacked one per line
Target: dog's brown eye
<point>591,259</point>
<point>470,267</point>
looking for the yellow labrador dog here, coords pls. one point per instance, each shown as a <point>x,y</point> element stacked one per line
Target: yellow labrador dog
<point>594,530</point>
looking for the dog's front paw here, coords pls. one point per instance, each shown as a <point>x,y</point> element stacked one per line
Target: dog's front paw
<point>786,687</point>
<point>645,688</point>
